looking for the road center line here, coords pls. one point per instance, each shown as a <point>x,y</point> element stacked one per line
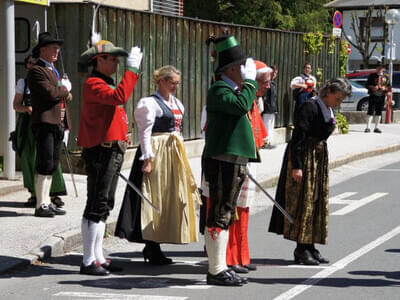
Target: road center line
<point>341,264</point>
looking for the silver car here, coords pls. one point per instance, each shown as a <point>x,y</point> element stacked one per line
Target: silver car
<point>358,99</point>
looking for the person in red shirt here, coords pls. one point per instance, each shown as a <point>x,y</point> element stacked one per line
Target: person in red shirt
<point>103,132</point>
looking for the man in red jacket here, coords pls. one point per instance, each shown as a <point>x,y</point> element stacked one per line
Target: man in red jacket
<point>103,132</point>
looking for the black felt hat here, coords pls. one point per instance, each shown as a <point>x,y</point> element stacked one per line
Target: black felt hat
<point>45,39</point>
<point>229,53</point>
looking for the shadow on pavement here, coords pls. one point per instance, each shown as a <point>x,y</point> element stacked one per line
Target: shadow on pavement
<point>13,214</point>
<point>126,283</point>
<point>390,275</point>
<point>339,282</point>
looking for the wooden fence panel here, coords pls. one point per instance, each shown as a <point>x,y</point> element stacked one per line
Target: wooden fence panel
<point>180,42</point>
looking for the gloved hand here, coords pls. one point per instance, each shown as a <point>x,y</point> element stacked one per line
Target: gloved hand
<point>65,82</point>
<point>66,135</point>
<point>249,70</point>
<point>135,58</point>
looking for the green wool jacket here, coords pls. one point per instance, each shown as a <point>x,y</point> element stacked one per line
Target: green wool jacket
<point>228,127</point>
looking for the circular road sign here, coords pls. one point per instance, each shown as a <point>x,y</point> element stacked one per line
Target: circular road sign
<point>348,48</point>
<point>337,19</point>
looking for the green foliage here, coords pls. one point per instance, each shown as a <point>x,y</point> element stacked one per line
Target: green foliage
<point>299,15</point>
<point>343,56</point>
<point>332,43</point>
<point>313,42</point>
<point>342,124</point>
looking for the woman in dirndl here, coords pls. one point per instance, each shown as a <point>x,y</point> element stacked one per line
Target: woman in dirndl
<point>303,187</point>
<point>161,170</point>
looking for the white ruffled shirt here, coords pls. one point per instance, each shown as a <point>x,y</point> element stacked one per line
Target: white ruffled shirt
<point>145,114</point>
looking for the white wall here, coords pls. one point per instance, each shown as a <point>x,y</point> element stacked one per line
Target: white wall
<point>355,55</point>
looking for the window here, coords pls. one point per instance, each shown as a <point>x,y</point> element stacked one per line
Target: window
<point>377,29</point>
<point>22,35</point>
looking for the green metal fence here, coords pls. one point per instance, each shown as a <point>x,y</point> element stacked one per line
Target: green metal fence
<point>180,42</point>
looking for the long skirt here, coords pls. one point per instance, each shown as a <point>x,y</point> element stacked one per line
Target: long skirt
<point>27,152</point>
<point>170,187</point>
<point>306,202</point>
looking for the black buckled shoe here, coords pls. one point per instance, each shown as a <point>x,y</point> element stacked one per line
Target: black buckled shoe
<point>315,253</point>
<point>94,269</point>
<point>243,280</point>
<point>377,130</point>
<point>305,258</point>
<point>110,267</point>
<point>223,278</point>
<point>239,269</point>
<point>44,212</point>
<point>57,211</point>
<point>57,201</point>
<point>251,267</point>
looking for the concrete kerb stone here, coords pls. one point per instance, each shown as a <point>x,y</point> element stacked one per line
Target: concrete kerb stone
<point>60,243</point>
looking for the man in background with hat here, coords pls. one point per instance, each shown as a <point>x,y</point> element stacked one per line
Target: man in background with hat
<point>49,118</point>
<point>229,145</point>
<point>103,132</point>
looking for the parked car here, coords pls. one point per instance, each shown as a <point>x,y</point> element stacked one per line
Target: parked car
<point>358,99</point>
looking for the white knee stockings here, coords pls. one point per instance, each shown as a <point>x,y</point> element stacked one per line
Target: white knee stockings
<point>216,251</point>
<point>42,188</point>
<point>92,235</point>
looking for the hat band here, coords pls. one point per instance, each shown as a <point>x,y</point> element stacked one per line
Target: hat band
<point>226,44</point>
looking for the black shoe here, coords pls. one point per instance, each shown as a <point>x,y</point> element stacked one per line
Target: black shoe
<point>243,280</point>
<point>110,267</point>
<point>57,201</point>
<point>305,258</point>
<point>44,212</point>
<point>31,202</point>
<point>223,278</point>
<point>57,211</point>
<point>239,269</point>
<point>315,253</point>
<point>367,130</point>
<point>377,130</point>
<point>154,255</point>
<point>251,267</point>
<point>94,269</point>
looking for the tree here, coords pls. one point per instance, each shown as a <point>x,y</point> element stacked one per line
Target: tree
<point>299,15</point>
<point>362,33</point>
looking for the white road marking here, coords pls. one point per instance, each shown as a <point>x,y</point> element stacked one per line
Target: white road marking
<point>353,204</point>
<point>341,264</point>
<point>341,198</point>
<point>81,295</point>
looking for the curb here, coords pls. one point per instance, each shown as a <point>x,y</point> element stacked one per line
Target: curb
<point>60,243</point>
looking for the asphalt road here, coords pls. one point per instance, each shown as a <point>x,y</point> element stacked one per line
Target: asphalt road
<point>364,249</point>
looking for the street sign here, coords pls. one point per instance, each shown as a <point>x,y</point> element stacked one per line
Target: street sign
<point>337,19</point>
<point>348,48</point>
<point>337,32</point>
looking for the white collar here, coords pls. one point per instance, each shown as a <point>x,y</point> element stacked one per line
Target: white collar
<point>230,82</point>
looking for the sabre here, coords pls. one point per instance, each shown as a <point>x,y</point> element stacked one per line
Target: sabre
<point>71,171</point>
<point>282,210</point>
<point>139,192</point>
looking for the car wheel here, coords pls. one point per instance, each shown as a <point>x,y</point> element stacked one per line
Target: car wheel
<point>363,104</point>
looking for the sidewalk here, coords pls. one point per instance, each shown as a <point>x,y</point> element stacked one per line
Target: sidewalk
<point>25,239</point>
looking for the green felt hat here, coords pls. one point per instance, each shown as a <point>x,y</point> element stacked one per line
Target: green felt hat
<point>100,48</point>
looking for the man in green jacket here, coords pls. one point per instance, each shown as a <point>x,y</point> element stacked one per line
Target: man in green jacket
<point>229,146</point>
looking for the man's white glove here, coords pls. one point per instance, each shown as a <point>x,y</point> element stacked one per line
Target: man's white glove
<point>66,136</point>
<point>249,70</point>
<point>135,58</point>
<point>65,82</point>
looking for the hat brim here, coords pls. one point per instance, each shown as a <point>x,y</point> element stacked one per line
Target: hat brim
<point>231,64</point>
<point>36,49</point>
<point>87,56</point>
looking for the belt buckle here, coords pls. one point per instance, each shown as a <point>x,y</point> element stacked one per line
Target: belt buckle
<point>107,144</point>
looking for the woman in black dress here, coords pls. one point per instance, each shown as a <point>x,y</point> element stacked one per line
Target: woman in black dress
<point>303,187</point>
